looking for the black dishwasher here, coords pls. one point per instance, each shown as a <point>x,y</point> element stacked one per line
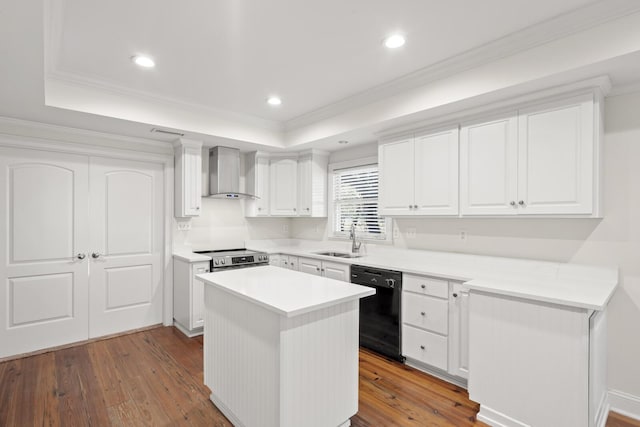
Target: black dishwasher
<point>380,313</point>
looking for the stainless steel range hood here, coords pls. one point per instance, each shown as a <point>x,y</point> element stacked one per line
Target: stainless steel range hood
<point>224,174</point>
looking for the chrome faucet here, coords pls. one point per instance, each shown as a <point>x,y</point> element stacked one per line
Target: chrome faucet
<point>355,245</point>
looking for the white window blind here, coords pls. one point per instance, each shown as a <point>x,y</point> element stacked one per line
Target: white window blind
<point>355,200</point>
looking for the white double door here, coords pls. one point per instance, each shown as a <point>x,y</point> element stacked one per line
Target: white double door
<point>81,252</point>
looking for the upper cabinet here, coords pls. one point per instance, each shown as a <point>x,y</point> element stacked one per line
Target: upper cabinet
<point>312,184</point>
<point>538,161</point>
<point>188,178</point>
<point>489,167</point>
<point>419,174</point>
<point>257,183</point>
<point>283,189</point>
<point>291,185</point>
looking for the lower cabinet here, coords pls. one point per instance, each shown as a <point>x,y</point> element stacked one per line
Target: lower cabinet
<point>435,325</point>
<point>332,270</point>
<point>284,261</point>
<point>425,320</point>
<point>458,331</point>
<point>188,296</point>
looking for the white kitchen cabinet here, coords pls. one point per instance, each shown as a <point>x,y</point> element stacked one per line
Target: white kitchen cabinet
<point>289,262</point>
<point>257,184</point>
<point>459,331</point>
<point>312,184</point>
<point>188,296</point>
<point>556,152</point>
<point>332,270</point>
<point>274,259</point>
<point>489,167</point>
<point>188,178</point>
<point>541,160</point>
<point>425,321</point>
<point>419,175</point>
<point>283,200</point>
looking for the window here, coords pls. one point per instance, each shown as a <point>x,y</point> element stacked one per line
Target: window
<point>355,200</point>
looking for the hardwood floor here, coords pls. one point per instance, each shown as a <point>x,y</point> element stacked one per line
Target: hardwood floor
<point>155,378</point>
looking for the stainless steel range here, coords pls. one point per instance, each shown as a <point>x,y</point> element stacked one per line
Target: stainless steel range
<point>235,258</point>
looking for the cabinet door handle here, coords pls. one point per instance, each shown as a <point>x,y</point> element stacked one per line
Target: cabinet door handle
<point>294,209</point>
<point>421,347</point>
<point>415,206</point>
<point>81,256</point>
<point>410,206</point>
<point>512,203</point>
<point>423,286</point>
<point>318,268</point>
<point>455,295</point>
<point>521,202</point>
<point>422,313</point>
<point>259,209</point>
<point>95,255</point>
<point>197,208</point>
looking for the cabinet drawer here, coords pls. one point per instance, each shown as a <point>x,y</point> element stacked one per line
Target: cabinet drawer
<point>426,285</point>
<point>424,346</point>
<point>425,312</point>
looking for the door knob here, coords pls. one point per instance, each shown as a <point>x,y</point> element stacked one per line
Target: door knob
<point>95,255</point>
<point>81,256</point>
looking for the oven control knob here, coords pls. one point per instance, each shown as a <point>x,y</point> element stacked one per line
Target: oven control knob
<point>216,262</point>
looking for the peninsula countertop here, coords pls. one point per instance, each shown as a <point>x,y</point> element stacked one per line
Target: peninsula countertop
<point>286,292</point>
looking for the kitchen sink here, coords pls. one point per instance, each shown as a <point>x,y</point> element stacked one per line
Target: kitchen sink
<point>339,254</point>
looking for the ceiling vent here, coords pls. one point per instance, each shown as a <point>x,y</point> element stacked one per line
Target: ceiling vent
<point>166,132</point>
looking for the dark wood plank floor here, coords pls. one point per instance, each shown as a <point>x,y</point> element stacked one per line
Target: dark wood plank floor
<point>155,378</point>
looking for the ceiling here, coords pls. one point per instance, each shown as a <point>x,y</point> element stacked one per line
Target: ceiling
<point>223,58</point>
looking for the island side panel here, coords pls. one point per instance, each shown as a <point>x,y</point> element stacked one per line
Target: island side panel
<point>241,359</point>
<point>529,361</point>
<point>319,366</point>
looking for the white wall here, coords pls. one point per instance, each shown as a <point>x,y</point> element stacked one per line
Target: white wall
<point>613,240</point>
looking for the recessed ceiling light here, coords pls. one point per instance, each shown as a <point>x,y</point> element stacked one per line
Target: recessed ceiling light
<point>143,61</point>
<point>274,100</point>
<point>342,141</point>
<point>394,41</point>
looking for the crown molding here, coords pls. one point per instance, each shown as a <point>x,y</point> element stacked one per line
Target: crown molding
<point>19,127</point>
<point>528,38</point>
<point>108,87</point>
<point>625,89</point>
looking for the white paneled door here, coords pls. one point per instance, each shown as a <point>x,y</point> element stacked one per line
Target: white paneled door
<point>43,255</point>
<point>81,252</point>
<point>126,221</point>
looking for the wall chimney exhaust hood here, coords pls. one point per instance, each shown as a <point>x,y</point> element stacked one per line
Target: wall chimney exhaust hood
<point>224,174</point>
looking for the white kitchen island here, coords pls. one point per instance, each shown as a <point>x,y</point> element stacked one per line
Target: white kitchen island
<point>281,347</point>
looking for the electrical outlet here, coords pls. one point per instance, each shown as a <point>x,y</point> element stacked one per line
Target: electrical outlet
<point>285,228</point>
<point>411,232</point>
<point>463,236</point>
<point>396,233</point>
<point>184,225</point>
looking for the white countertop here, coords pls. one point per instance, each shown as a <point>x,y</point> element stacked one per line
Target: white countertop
<point>573,285</point>
<point>190,256</point>
<point>286,292</point>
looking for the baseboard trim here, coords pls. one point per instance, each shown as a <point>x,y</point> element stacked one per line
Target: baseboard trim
<point>624,403</point>
<point>78,343</point>
<point>460,382</point>
<point>190,334</point>
<point>226,411</point>
<point>497,419</point>
<point>602,414</point>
